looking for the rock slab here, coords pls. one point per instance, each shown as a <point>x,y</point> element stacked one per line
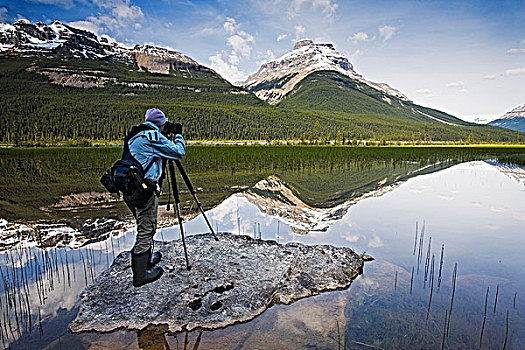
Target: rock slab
<point>231,280</point>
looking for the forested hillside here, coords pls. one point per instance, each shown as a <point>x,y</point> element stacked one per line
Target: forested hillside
<point>386,115</point>
<point>72,101</point>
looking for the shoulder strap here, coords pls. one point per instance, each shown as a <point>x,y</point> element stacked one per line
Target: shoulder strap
<point>126,153</point>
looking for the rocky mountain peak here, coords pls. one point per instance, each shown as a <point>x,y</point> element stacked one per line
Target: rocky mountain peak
<point>62,40</point>
<point>301,43</point>
<point>516,112</point>
<point>275,79</point>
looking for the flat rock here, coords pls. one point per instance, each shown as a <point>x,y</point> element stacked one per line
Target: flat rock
<point>231,280</point>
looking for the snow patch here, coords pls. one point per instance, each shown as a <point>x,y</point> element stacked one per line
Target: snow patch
<point>434,118</point>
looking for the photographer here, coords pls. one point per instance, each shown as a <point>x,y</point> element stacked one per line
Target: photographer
<point>148,146</point>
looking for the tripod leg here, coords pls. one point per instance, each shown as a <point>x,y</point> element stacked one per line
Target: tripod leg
<point>194,194</point>
<point>177,207</point>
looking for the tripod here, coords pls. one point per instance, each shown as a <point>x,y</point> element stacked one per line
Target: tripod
<point>186,179</point>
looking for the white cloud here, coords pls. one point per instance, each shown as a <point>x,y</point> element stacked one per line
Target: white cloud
<point>375,242</point>
<point>515,51</point>
<point>460,85</point>
<point>86,25</point>
<point>126,11</point>
<point>490,77</point>
<point>354,56</point>
<point>352,238</point>
<point>241,43</point>
<point>328,7</point>
<point>3,14</point>
<point>359,37</point>
<point>233,59</point>
<point>282,37</point>
<point>299,32</point>
<point>230,26</point>
<point>387,32</point>
<point>515,71</point>
<point>266,57</point>
<point>122,15</point>
<point>456,84</point>
<point>425,92</point>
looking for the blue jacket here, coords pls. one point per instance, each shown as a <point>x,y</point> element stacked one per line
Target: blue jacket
<point>151,145</point>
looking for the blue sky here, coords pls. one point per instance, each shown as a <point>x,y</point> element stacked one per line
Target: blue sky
<point>464,57</point>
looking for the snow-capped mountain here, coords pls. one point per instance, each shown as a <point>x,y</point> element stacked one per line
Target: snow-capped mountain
<point>275,79</point>
<point>61,40</point>
<point>514,120</point>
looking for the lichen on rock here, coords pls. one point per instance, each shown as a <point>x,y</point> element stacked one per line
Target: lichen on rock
<point>231,280</point>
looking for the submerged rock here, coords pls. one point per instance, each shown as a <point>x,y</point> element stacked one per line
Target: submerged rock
<point>230,281</point>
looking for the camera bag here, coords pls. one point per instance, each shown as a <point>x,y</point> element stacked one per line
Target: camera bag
<point>127,175</point>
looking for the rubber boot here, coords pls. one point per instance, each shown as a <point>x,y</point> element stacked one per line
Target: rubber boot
<point>153,259</point>
<point>141,275</point>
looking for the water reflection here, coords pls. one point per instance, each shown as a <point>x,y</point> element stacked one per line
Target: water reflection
<point>474,213</point>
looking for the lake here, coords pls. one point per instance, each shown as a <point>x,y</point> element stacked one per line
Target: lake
<point>445,226</point>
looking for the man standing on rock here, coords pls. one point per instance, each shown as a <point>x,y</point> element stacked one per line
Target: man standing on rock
<point>147,145</point>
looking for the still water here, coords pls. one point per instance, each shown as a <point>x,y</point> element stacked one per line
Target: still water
<point>449,270</point>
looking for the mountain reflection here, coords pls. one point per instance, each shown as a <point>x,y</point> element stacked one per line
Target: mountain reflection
<point>314,201</point>
<point>513,171</point>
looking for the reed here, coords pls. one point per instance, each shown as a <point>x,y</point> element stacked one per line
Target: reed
<point>112,248</point>
<point>506,331</point>
<point>454,276</point>
<point>40,323</point>
<point>420,251</point>
<point>496,298</point>
<point>395,283</point>
<point>68,274</point>
<point>415,242</point>
<point>427,261</point>
<point>197,341</point>
<point>444,338</point>
<point>37,284</point>
<point>440,266</point>
<point>56,265</point>
<point>84,265</point>
<point>107,254</point>
<point>484,318</point>
<point>411,280</point>
<point>63,270</point>
<point>431,285</point>
<point>514,303</point>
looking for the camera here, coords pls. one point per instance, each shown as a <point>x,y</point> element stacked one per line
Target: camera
<point>172,128</point>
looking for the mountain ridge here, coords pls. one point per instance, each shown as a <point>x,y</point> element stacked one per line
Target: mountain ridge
<point>306,57</point>
<point>64,41</point>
